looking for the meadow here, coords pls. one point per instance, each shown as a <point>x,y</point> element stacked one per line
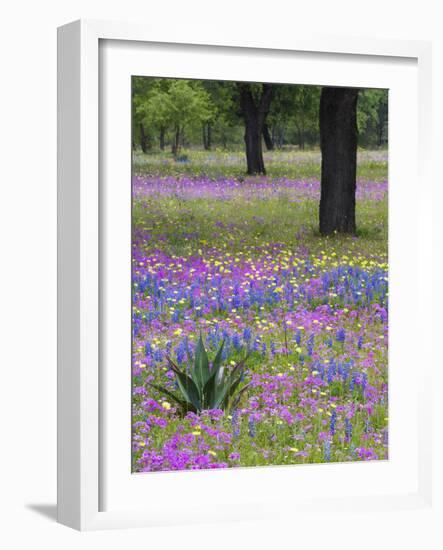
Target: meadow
<point>239,260</point>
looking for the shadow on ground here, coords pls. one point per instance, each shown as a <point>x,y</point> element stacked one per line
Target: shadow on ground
<point>48,511</point>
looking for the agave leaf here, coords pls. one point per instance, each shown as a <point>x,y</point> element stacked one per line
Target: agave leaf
<point>233,386</point>
<point>241,364</point>
<point>208,393</point>
<point>244,388</point>
<point>187,387</point>
<point>205,387</point>
<point>171,363</point>
<point>217,361</point>
<point>219,377</point>
<point>225,386</point>
<point>183,404</point>
<point>220,396</point>
<point>213,388</point>
<point>239,395</point>
<point>225,390</point>
<point>201,372</point>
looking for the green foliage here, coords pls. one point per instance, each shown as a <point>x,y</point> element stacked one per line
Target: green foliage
<point>173,105</point>
<point>294,114</point>
<point>372,117</point>
<point>196,114</point>
<point>225,119</point>
<point>306,113</point>
<point>187,103</point>
<point>206,387</point>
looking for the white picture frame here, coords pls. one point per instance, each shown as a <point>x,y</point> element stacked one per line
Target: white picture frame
<point>82,409</point>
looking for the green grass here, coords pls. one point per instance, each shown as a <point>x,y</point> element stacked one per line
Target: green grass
<point>294,164</point>
<point>255,222</point>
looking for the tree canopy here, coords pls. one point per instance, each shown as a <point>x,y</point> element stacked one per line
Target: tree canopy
<point>208,113</point>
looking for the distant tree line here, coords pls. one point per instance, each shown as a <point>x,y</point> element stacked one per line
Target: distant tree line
<point>171,113</point>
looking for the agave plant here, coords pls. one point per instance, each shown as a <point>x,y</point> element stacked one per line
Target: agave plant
<point>206,386</point>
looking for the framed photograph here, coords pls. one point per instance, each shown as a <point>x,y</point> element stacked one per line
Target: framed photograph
<point>242,234</point>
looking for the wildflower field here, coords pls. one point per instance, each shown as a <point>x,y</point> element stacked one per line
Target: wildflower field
<point>239,261</point>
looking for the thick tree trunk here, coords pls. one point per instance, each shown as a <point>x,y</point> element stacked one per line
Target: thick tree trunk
<point>301,139</point>
<point>380,129</point>
<point>338,142</point>
<point>182,139</point>
<point>206,132</point>
<point>175,148</point>
<point>254,117</point>
<point>267,138</point>
<point>280,137</point>
<point>162,139</point>
<point>205,141</point>
<point>209,135</point>
<point>144,139</point>
<point>254,150</point>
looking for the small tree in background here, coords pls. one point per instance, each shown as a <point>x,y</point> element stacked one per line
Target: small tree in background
<point>182,104</point>
<point>153,112</point>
